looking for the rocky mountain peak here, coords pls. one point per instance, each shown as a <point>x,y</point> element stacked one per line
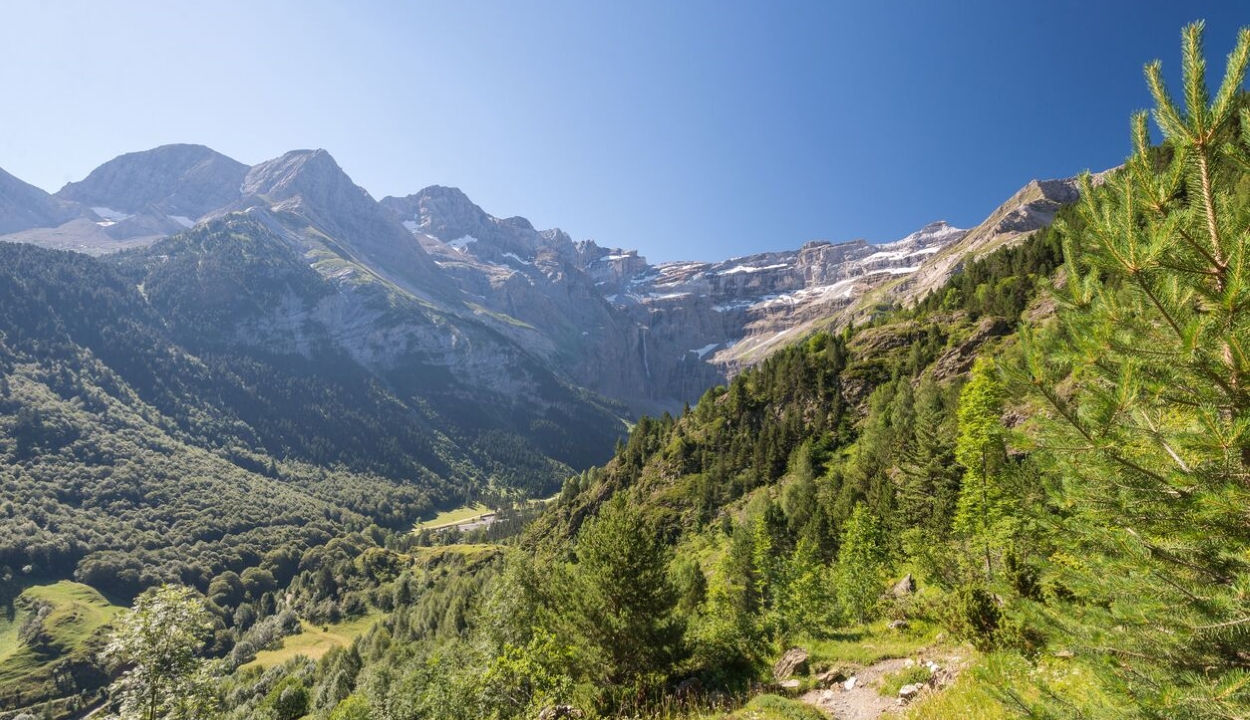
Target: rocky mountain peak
<point>517,222</point>
<point>311,174</point>
<point>185,181</point>
<point>443,212</point>
<point>307,187</point>
<point>448,215</point>
<point>932,235</point>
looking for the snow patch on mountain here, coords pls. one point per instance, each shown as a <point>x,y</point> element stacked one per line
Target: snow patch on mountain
<point>110,215</point>
<point>748,269</point>
<point>518,258</point>
<point>705,349</point>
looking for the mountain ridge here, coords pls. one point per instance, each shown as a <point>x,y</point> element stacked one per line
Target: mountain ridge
<point>651,336</point>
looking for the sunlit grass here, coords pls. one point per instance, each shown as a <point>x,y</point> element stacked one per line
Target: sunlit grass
<point>768,707</point>
<point>1003,685</point>
<point>447,518</point>
<point>868,644</point>
<point>315,640</point>
<point>78,615</point>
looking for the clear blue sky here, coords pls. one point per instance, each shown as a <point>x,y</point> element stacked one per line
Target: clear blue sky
<point>686,129</point>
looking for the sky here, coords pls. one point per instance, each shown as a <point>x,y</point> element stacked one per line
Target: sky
<point>691,129</point>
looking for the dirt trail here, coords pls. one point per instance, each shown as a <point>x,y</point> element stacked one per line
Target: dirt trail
<point>861,700</point>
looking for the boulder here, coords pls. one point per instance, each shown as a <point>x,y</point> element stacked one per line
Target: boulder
<point>829,678</point>
<point>908,692</point>
<point>904,587</point>
<point>794,661</point>
<point>899,625</point>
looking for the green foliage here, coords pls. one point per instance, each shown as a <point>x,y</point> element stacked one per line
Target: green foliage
<point>972,614</point>
<point>624,604</point>
<point>985,506</point>
<point>931,482</point>
<point>521,681</point>
<point>868,644</point>
<point>736,440</point>
<point>157,641</point>
<point>50,636</point>
<point>1001,283</point>
<point>353,707</point>
<point>774,707</point>
<point>287,700</point>
<point>863,566</point>
<point>1144,377</point>
<point>893,682</point>
<point>808,602</point>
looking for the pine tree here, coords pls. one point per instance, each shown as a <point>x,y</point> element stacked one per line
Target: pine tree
<point>1147,380</point>
<point>930,475</point>
<point>625,605</point>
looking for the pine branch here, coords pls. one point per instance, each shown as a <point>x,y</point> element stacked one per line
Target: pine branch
<point>1194,78</point>
<point>1234,76</point>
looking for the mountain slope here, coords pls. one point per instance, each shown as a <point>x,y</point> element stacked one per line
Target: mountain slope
<point>149,405</point>
<point>543,280</point>
<point>24,206</point>
<point>310,189</point>
<point>176,181</point>
<point>1033,207</point>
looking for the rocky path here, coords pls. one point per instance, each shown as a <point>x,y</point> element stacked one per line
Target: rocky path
<point>857,697</point>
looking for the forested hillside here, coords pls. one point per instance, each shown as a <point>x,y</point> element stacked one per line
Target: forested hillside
<point>144,442</point>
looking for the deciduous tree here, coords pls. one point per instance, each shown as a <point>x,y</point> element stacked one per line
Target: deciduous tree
<point>158,640</point>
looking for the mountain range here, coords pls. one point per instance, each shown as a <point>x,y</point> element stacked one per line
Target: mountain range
<point>477,296</point>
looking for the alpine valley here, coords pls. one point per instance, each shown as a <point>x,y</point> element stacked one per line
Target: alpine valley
<point>271,448</point>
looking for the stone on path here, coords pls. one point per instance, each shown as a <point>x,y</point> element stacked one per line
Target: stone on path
<point>795,660</point>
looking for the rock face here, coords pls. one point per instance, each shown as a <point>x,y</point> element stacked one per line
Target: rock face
<point>652,335</point>
<point>315,200</point>
<point>907,693</point>
<point>556,712</point>
<point>904,587</point>
<point>604,319</point>
<point>555,297</point>
<point>761,302</point>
